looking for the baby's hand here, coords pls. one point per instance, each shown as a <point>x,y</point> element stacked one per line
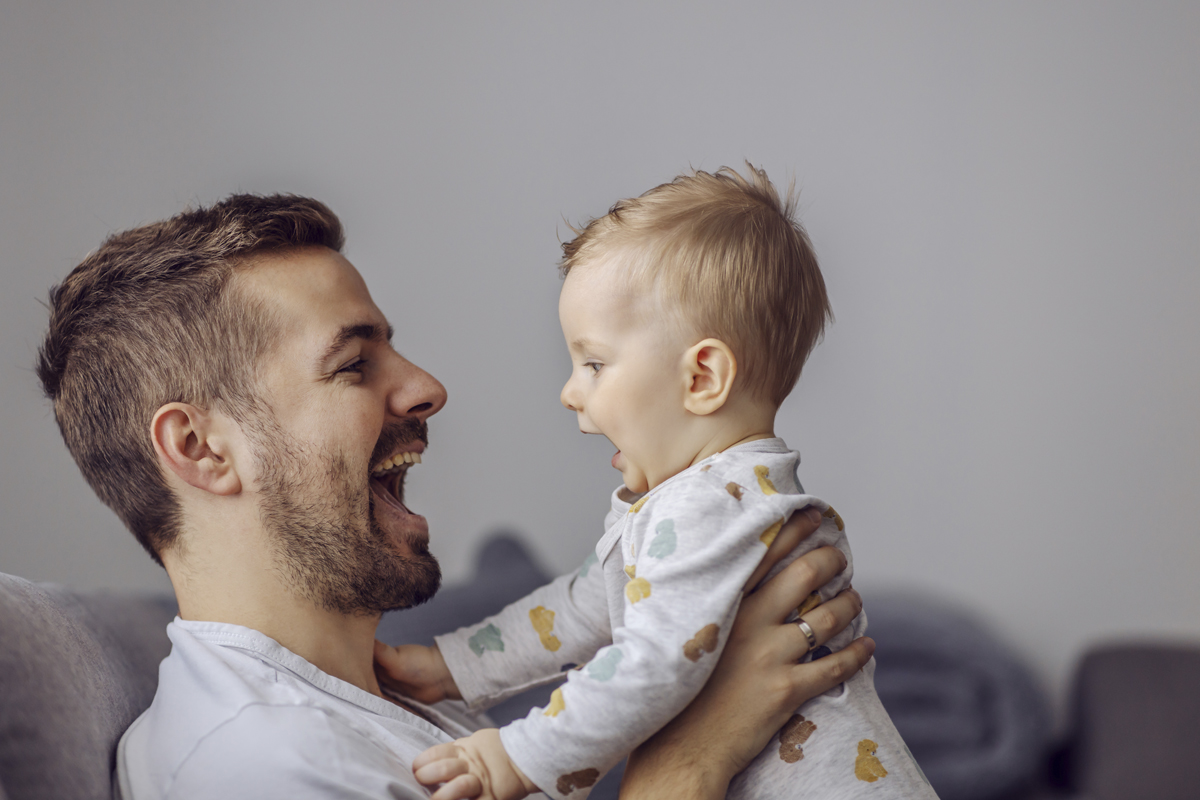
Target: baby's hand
<point>416,671</point>
<point>476,766</point>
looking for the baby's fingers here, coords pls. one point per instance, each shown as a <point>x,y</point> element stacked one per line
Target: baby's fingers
<point>461,788</point>
<point>441,771</point>
<point>439,752</point>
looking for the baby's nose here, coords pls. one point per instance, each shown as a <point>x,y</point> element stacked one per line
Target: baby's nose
<point>568,398</point>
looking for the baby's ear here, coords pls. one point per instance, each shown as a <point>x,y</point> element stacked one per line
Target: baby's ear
<point>710,368</point>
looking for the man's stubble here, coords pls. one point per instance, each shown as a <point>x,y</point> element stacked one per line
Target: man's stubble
<point>319,512</point>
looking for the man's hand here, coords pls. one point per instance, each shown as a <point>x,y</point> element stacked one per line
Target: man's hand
<point>476,766</point>
<point>415,671</point>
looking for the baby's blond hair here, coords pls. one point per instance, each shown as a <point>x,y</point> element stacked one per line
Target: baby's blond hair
<point>730,254</point>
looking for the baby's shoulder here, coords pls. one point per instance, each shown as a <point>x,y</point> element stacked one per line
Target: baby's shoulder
<point>762,474</point>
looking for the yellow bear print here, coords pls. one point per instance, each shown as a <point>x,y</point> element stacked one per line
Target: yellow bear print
<point>770,533</point>
<point>764,482</point>
<point>542,620</point>
<point>867,767</point>
<point>810,602</point>
<point>557,704</point>
<point>637,589</point>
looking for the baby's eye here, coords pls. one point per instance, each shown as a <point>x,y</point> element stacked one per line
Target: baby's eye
<point>593,366</point>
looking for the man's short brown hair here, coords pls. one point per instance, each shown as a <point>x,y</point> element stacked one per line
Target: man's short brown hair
<point>731,256</point>
<point>150,318</point>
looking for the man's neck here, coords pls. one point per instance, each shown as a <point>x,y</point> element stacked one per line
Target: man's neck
<point>342,645</point>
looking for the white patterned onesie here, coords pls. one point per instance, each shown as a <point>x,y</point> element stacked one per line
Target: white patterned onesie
<point>647,618</point>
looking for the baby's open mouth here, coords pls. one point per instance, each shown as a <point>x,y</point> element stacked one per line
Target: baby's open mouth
<point>388,478</point>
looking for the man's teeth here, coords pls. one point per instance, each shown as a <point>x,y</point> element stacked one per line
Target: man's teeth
<point>398,460</point>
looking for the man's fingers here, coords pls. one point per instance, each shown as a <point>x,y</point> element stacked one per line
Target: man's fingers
<point>461,788</point>
<point>798,528</point>
<point>779,597</point>
<point>814,677</point>
<point>828,620</point>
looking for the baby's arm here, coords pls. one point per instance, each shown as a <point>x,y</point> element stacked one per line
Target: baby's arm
<point>695,546</point>
<point>530,642</point>
<point>475,766</point>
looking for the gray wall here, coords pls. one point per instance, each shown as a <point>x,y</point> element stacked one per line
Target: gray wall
<point>1005,199</point>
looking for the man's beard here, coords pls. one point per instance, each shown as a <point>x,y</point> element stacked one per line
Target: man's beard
<point>319,513</point>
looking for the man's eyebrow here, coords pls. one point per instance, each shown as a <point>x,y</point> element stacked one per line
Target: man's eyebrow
<point>370,331</point>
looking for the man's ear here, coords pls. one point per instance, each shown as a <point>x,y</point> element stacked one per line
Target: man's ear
<point>193,444</point>
<point>710,368</point>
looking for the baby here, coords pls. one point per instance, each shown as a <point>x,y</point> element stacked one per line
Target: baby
<point>688,313</point>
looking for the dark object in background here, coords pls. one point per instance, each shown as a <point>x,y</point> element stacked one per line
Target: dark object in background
<point>1135,724</point>
<point>970,712</point>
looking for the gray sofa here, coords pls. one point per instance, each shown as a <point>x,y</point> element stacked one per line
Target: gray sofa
<point>77,667</point>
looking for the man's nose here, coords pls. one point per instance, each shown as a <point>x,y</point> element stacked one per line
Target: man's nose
<point>416,393</point>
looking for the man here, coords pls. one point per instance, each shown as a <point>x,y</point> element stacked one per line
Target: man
<point>229,388</point>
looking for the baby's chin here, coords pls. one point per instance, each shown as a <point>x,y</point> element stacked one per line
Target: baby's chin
<point>635,481</point>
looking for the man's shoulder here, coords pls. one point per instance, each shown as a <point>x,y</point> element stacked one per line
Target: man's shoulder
<point>298,751</point>
<point>225,720</point>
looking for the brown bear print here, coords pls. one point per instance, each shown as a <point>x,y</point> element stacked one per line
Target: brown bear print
<point>836,517</point>
<point>794,733</point>
<point>734,490</point>
<point>577,780</point>
<point>705,641</point>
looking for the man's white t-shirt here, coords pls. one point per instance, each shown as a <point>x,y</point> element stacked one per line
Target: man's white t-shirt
<point>238,715</point>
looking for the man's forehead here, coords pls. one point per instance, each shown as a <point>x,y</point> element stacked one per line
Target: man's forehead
<point>312,293</point>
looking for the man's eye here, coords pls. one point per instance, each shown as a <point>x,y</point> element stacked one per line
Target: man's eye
<point>355,366</point>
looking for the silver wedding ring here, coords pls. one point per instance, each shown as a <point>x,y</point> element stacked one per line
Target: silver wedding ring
<point>808,634</point>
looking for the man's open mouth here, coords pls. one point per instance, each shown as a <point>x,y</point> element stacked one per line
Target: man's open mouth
<point>387,477</point>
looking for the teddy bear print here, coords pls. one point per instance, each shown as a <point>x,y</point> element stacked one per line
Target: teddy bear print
<point>664,541</point>
<point>604,667</point>
<point>867,767</point>
<point>542,620</point>
<point>764,481</point>
<point>810,602</point>
<point>705,641</point>
<point>637,589</point>
<point>836,517</point>
<point>768,536</point>
<point>577,780</point>
<point>792,735</point>
<point>486,638</point>
<point>557,704</point>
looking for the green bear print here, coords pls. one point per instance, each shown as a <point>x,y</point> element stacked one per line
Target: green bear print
<point>587,564</point>
<point>486,638</point>
<point>664,543</point>
<point>604,667</point>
